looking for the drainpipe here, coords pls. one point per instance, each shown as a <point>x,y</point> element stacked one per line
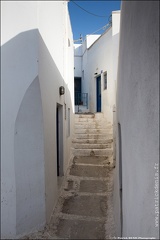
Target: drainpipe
<point>114,135</point>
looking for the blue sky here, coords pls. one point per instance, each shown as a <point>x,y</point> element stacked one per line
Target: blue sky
<point>85,23</point>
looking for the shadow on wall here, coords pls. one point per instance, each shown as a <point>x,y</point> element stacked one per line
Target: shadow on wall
<point>29,162</point>
<point>50,81</point>
<point>29,105</point>
<point>19,69</point>
<point>19,60</point>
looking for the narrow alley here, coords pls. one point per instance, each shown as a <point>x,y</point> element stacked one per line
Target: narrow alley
<point>84,208</point>
<point>80,119</point>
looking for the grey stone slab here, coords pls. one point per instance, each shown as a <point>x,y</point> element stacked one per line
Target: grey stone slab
<point>89,171</point>
<point>93,186</point>
<point>92,206</point>
<point>91,160</point>
<point>80,229</point>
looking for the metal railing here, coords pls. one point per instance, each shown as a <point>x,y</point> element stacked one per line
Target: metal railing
<point>81,99</point>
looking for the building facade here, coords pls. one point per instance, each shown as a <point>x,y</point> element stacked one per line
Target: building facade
<point>136,196</point>
<point>36,120</point>
<point>96,62</point>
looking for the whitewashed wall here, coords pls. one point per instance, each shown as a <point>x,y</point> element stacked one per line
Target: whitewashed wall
<point>85,81</point>
<point>77,60</point>
<point>115,39</point>
<point>36,61</point>
<point>100,60</point>
<point>100,56</point>
<point>19,69</point>
<point>138,115</point>
<point>90,39</point>
<point>53,73</point>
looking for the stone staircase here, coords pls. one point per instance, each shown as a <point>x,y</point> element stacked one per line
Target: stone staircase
<point>93,136</point>
<point>85,206</point>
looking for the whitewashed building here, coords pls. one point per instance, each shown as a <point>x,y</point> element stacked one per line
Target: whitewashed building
<point>36,120</point>
<point>136,187</point>
<point>95,69</point>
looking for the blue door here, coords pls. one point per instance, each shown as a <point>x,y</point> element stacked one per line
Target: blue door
<point>99,94</point>
<point>77,90</point>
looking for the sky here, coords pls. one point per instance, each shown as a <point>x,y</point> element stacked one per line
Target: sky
<point>84,23</point>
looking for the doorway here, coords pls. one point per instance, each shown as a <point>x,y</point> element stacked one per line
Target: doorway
<point>98,93</point>
<point>77,90</point>
<point>59,139</point>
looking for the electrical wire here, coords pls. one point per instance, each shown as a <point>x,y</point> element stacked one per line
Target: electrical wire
<point>104,27</point>
<point>100,29</point>
<point>86,10</point>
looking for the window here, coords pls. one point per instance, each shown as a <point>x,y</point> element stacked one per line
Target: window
<point>105,80</point>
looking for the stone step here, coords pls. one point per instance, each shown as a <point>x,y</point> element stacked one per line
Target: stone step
<point>92,152</point>
<point>99,116</point>
<point>90,120</point>
<point>93,125</point>
<point>97,160</point>
<point>91,146</point>
<point>92,131</point>
<point>89,115</point>
<point>89,171</point>
<point>92,141</point>
<point>84,116</point>
<point>80,229</point>
<point>93,205</point>
<point>94,136</point>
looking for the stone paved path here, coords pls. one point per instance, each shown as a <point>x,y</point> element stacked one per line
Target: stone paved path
<point>84,209</point>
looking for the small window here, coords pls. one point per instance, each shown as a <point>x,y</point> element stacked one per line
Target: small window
<point>105,80</point>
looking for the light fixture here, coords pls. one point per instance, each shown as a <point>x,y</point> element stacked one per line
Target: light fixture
<point>95,73</point>
<point>61,90</point>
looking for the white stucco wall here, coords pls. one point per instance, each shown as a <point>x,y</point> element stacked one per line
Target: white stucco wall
<point>77,60</point>
<point>19,51</point>
<point>35,63</point>
<point>102,56</point>
<point>85,81</point>
<point>115,41</point>
<point>78,66</point>
<point>138,115</point>
<point>53,74</point>
<point>90,39</point>
<point>29,162</point>
<point>100,60</point>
